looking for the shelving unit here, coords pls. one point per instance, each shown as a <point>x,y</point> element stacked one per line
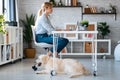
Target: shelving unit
<point>105,45</point>
<point>12,45</point>
<point>79,44</point>
<point>82,49</point>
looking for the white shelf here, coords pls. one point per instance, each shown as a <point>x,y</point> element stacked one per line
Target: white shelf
<point>71,48</point>
<point>79,39</point>
<point>74,32</point>
<point>83,54</point>
<point>11,47</point>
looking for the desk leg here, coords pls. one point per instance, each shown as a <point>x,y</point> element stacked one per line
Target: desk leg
<point>55,41</point>
<point>94,57</point>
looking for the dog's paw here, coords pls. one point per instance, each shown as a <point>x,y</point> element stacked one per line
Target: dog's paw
<point>37,72</point>
<point>34,68</point>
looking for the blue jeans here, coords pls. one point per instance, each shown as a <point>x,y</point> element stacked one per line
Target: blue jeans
<point>62,42</point>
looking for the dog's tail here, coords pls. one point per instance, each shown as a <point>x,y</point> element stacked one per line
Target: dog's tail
<point>84,72</point>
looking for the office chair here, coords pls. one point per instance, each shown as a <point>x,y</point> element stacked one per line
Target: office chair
<point>46,46</point>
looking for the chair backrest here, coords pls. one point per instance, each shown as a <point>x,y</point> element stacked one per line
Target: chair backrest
<point>33,32</point>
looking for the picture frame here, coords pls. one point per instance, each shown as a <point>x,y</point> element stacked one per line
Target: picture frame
<point>71,27</point>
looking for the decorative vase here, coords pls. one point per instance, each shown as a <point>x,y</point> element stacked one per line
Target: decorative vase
<point>83,28</point>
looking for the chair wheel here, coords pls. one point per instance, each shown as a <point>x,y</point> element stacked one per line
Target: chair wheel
<point>53,73</point>
<point>94,73</point>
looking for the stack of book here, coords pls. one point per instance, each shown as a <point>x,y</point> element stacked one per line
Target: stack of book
<point>71,2</point>
<point>90,10</point>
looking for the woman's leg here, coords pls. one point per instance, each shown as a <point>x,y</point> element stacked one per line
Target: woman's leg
<point>46,39</point>
<point>62,42</point>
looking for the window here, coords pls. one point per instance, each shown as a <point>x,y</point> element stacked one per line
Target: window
<point>8,8</point>
<point>1,6</point>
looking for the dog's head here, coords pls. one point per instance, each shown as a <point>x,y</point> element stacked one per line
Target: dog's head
<point>42,60</point>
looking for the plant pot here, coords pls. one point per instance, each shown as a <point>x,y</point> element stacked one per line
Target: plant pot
<point>30,52</point>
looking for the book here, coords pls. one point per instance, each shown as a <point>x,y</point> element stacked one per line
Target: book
<point>74,2</point>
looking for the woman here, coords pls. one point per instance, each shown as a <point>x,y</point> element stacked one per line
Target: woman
<point>44,28</point>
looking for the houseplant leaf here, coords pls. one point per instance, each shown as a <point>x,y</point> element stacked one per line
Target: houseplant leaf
<point>103,29</point>
<point>27,31</point>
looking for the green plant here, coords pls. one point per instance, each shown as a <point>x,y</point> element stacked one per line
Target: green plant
<point>113,8</point>
<point>53,2</point>
<point>2,27</point>
<point>27,31</point>
<point>84,23</point>
<point>103,29</point>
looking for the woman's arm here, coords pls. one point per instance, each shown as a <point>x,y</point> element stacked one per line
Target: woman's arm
<point>47,25</point>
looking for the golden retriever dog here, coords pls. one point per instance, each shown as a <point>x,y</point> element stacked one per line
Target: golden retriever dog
<point>65,66</point>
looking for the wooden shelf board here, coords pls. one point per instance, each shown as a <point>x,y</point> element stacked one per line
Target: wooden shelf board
<point>97,13</point>
<point>66,6</point>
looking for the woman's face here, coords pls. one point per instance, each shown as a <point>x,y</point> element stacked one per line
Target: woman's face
<point>49,10</point>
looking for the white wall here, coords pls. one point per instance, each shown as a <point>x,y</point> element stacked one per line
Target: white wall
<point>61,16</point>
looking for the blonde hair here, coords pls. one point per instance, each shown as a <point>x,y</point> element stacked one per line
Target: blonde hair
<point>44,6</point>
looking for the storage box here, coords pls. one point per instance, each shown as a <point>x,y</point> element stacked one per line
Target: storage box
<point>87,10</point>
<point>88,47</point>
<point>91,27</point>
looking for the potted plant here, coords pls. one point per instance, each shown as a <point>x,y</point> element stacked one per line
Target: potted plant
<point>53,2</point>
<point>84,24</point>
<point>112,8</point>
<point>103,29</point>
<point>27,35</point>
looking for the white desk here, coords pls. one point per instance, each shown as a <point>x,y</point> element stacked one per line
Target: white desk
<point>94,49</point>
<point>94,37</point>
